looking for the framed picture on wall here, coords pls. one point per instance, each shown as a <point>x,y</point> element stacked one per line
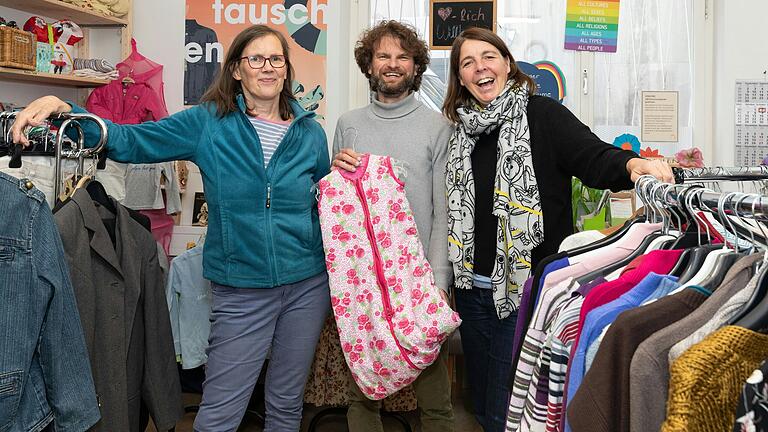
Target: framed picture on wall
<point>200,210</point>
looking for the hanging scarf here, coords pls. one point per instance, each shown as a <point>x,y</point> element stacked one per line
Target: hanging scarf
<point>516,202</point>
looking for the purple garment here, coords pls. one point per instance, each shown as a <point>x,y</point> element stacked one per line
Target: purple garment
<point>523,318</point>
<point>550,268</point>
<point>583,290</point>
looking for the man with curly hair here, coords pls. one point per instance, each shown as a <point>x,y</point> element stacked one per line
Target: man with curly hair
<point>393,58</point>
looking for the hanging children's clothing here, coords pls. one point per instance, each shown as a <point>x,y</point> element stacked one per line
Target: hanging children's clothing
<point>133,103</point>
<point>152,187</point>
<point>391,317</point>
<point>45,375</point>
<point>126,104</point>
<point>189,302</point>
<point>139,98</point>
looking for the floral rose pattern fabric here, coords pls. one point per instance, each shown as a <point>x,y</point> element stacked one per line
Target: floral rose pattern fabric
<point>329,378</point>
<point>390,315</point>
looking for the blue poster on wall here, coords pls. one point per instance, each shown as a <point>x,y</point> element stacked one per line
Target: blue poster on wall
<point>550,81</point>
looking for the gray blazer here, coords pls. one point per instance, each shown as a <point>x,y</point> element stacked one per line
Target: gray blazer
<point>121,300</point>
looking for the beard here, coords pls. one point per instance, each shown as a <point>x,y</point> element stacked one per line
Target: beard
<point>403,86</point>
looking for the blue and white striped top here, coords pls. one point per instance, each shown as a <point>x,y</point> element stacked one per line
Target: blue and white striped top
<point>270,134</point>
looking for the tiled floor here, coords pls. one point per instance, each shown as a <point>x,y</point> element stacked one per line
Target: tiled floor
<point>465,422</point>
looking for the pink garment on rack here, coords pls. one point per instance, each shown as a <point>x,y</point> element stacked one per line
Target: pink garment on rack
<point>132,104</point>
<point>162,227</point>
<point>657,261</point>
<point>143,71</point>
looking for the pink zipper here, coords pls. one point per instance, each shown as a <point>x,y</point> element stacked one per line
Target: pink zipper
<point>382,281</point>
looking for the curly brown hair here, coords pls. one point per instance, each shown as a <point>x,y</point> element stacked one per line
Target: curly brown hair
<point>410,42</point>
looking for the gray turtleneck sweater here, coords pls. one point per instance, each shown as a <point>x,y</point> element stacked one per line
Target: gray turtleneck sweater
<point>409,132</point>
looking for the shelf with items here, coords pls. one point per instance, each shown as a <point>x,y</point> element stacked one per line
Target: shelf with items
<point>61,10</point>
<point>10,74</point>
<point>90,22</point>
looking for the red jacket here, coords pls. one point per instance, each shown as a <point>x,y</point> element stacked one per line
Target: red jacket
<point>132,104</point>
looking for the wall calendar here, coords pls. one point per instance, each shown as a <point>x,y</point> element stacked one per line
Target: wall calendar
<point>751,122</point>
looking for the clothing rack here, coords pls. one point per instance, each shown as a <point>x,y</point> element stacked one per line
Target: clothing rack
<point>78,151</point>
<point>753,205</point>
<point>720,173</point>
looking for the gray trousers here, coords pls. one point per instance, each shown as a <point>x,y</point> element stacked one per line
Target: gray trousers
<point>245,325</point>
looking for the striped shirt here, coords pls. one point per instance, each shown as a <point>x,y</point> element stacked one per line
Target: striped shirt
<point>270,134</point>
<point>535,408</point>
<point>530,366</point>
<point>564,335</point>
<point>543,404</point>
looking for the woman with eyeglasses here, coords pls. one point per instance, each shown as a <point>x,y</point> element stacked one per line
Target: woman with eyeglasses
<point>260,154</point>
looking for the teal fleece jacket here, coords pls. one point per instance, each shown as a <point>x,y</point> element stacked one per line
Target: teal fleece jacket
<point>263,227</point>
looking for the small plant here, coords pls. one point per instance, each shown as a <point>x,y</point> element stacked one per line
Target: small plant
<point>584,199</point>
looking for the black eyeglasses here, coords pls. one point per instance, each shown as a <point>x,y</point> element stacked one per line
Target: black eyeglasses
<point>258,61</point>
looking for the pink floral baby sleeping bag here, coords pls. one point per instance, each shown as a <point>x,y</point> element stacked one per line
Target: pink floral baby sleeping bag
<point>391,317</point>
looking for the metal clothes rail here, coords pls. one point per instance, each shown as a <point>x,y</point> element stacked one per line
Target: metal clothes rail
<point>79,151</point>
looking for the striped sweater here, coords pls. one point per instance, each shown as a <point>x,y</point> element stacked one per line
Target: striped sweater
<point>532,356</point>
<point>563,335</point>
<point>546,388</point>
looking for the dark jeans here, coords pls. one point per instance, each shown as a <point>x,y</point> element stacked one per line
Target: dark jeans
<point>487,344</point>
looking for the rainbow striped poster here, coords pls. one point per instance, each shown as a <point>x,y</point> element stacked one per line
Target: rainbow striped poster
<point>592,25</point>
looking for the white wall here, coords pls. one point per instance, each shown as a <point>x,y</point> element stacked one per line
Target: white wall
<point>158,27</point>
<point>740,53</point>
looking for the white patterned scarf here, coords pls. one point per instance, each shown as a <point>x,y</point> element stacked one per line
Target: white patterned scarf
<point>516,201</point>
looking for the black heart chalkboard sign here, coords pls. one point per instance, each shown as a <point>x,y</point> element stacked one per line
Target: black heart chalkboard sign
<point>448,18</point>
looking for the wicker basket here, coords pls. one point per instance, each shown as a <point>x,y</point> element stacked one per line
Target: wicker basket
<point>17,48</point>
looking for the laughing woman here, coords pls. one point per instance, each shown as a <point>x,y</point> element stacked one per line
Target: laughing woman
<point>503,221</point>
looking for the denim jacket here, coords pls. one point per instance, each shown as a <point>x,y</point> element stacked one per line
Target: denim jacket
<point>45,375</point>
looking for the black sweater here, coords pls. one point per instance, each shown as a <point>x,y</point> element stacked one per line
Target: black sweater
<point>562,147</point>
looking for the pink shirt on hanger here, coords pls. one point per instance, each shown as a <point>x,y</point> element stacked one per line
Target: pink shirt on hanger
<point>593,260</point>
<point>658,261</point>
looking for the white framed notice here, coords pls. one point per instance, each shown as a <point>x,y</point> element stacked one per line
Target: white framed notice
<point>660,114</point>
